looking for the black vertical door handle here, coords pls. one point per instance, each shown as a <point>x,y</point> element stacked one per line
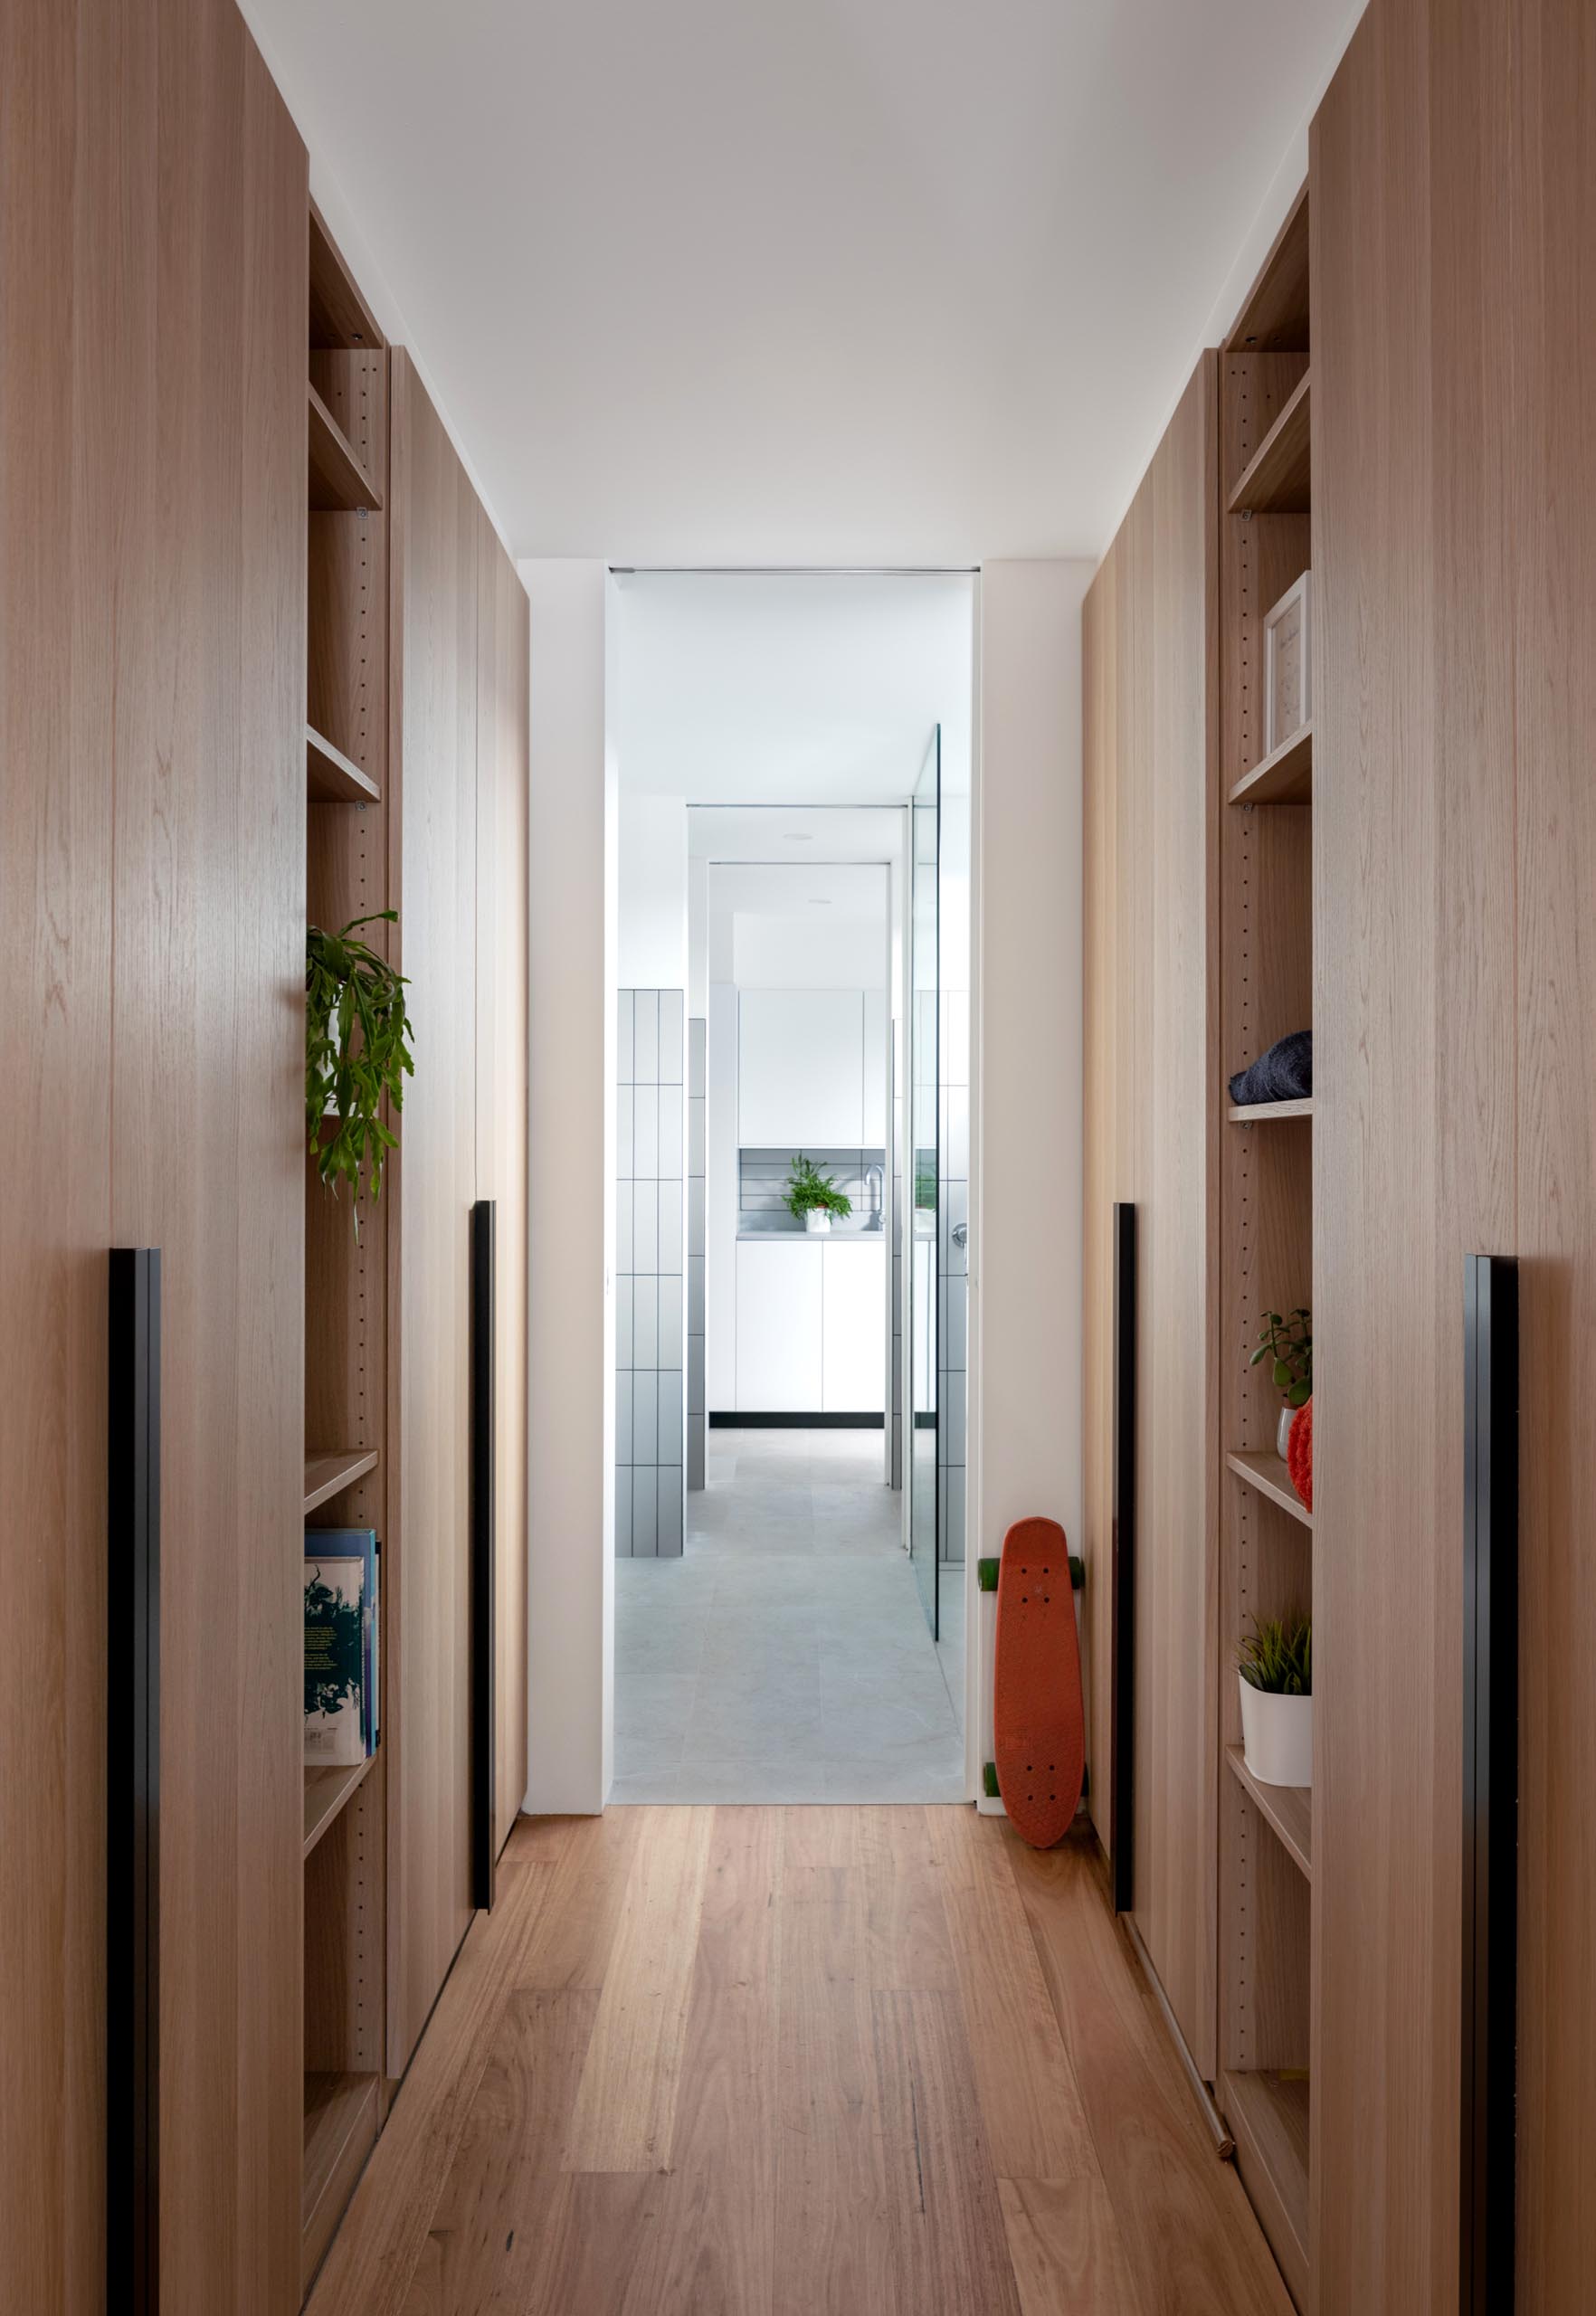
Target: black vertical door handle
<point>133,1786</point>
<point>481,1554</point>
<point>1489,2041</point>
<point>1123,1712</point>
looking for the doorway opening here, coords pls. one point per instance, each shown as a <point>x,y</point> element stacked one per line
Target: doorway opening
<point>791,1185</point>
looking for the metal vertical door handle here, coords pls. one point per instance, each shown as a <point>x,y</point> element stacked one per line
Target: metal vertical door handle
<point>1123,1532</point>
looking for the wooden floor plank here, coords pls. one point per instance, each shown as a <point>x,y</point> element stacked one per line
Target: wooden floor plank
<point>906,1923</point>
<point>577,1929</point>
<point>483,2245</point>
<point>1068,2249</point>
<point>833,2230</point>
<point>1035,2121</point>
<point>375,2255</point>
<point>1193,2249</point>
<point>626,2106</point>
<point>951,2254</point>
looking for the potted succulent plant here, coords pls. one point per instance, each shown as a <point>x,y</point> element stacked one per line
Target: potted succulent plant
<point>1288,1345</point>
<point>356,1055</point>
<point>814,1197</point>
<point>1274,1665</point>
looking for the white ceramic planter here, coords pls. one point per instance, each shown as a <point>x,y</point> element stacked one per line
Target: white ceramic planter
<point>1276,1736</point>
<point>1283,1432</point>
<point>818,1220</point>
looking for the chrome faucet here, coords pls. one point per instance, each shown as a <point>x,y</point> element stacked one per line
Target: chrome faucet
<point>873,1183</point>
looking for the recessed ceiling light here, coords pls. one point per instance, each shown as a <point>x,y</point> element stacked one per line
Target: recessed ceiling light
<point>792,837</point>
<point>815,903</point>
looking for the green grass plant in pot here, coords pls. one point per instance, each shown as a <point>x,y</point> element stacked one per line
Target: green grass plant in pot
<point>356,1056</point>
<point>814,1197</point>
<point>1275,1668</point>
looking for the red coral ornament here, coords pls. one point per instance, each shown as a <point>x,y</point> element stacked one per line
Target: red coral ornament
<point>1299,1453</point>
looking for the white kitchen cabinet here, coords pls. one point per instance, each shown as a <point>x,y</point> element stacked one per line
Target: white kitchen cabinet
<point>853,1325</point>
<point>801,1068</point>
<point>779,1297</point>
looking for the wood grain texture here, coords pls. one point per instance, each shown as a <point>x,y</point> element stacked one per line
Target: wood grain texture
<point>1414,973</point>
<point>1547,76</point>
<point>834,2141</point>
<point>432,754</point>
<point>1288,1809</point>
<point>69,478</point>
<point>154,809</point>
<point>1167,2206</point>
<point>1152,798</point>
<point>342,2113</point>
<point>1453,152</point>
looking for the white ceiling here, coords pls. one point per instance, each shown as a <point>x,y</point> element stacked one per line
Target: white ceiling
<point>802,281</point>
<point>814,689</point>
<point>805,839</point>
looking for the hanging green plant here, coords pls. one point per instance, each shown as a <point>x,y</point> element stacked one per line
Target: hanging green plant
<point>357,1054</point>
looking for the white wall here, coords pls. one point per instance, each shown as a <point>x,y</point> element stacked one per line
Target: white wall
<point>572,1345</point>
<point>817,952</point>
<point>652,939</point>
<point>1025,1313</point>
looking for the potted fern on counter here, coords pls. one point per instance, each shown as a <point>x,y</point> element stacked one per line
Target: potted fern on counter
<point>813,1198</point>
<point>1275,1668</point>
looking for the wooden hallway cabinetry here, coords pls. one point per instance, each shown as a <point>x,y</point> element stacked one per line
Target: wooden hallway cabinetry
<point>1150,704</point>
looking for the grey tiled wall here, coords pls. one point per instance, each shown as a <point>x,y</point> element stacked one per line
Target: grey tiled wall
<point>650,1332</point>
<point>697,1145</point>
<point>762,1176</point>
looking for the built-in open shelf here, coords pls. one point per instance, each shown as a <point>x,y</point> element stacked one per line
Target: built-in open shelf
<point>1288,1809</point>
<point>338,482</point>
<point>341,2116</point>
<point>1258,1113</point>
<point>1268,1475</point>
<point>1269,2115</point>
<point>326,1792</point>
<point>1285,777</point>
<point>331,778</point>
<point>339,315</point>
<point>1276,476</point>
<point>1275,318</point>
<point>335,1469</point>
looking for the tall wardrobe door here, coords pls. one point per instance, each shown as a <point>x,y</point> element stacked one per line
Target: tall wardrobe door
<point>1151,700</point>
<point>1418,430</point>
<point>59,497</point>
<point>152,494</point>
<point>503,645</point>
<point>1544,324</point>
<point>433,759</point>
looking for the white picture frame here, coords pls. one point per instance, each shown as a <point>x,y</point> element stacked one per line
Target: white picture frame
<point>1288,702</point>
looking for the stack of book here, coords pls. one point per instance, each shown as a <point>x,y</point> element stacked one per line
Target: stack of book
<point>342,1724</point>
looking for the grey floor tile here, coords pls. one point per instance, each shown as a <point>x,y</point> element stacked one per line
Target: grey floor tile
<point>724,1783</point>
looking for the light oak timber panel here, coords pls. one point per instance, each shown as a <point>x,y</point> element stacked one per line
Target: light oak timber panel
<point>1152,964</point>
<point>186,680</point>
<point>1414,973</point>
<point>1276,316</point>
<point>503,645</point>
<point>344,1880</point>
<point>433,666</point>
<point>1538,72</point>
<point>78,470</point>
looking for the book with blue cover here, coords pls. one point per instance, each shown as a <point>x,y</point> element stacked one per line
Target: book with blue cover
<point>342,1630</point>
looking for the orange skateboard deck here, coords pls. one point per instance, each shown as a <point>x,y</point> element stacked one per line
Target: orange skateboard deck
<point>1039,1727</point>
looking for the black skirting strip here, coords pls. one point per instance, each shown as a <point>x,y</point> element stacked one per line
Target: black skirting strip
<point>781,1421</point>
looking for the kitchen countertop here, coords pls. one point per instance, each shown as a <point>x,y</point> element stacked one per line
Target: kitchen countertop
<point>796,1233</point>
